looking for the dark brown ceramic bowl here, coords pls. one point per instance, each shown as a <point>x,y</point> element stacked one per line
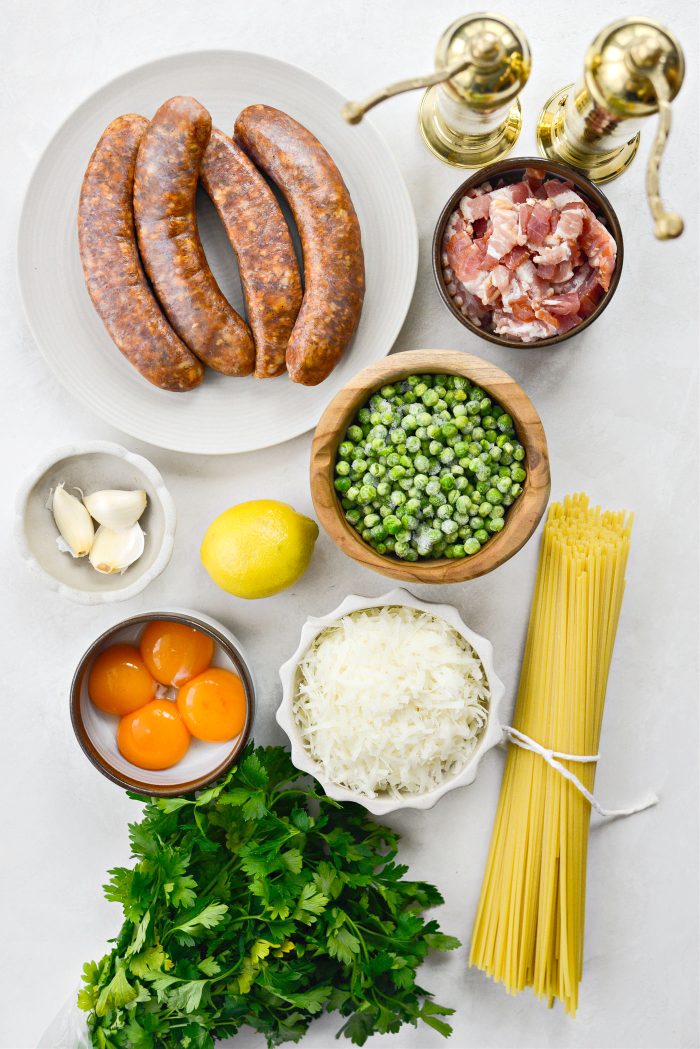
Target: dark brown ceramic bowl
<point>512,170</point>
<point>96,732</point>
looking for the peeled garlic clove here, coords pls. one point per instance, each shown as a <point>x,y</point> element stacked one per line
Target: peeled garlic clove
<point>116,509</point>
<point>73,522</point>
<point>114,550</point>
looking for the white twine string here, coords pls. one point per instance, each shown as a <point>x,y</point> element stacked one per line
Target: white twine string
<point>519,739</point>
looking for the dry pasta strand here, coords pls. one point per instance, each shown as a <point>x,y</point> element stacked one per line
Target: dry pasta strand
<point>528,930</point>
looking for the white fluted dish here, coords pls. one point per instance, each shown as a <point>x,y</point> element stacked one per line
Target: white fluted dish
<point>224,414</point>
<point>382,804</point>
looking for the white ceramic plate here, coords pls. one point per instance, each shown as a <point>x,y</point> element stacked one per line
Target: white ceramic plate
<point>224,414</point>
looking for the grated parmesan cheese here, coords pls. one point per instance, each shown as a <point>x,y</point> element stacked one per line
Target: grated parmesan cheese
<point>390,700</point>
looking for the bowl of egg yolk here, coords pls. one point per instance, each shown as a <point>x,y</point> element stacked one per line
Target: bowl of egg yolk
<point>162,703</point>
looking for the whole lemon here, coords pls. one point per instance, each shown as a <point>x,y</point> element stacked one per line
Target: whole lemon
<point>258,548</point>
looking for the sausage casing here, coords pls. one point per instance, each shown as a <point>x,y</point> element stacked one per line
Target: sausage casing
<point>165,186</point>
<point>114,276</point>
<point>263,245</point>
<point>334,274</point>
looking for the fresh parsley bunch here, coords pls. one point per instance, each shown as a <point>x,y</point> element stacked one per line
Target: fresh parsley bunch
<point>261,902</point>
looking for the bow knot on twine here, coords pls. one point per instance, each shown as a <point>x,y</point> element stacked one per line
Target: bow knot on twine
<point>554,759</point>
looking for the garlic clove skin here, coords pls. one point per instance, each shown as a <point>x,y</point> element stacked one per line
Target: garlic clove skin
<point>115,549</point>
<point>116,509</point>
<point>73,522</point>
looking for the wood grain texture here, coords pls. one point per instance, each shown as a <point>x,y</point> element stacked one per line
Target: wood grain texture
<point>522,517</point>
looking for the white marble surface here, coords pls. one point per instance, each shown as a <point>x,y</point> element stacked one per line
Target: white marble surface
<point>619,407</point>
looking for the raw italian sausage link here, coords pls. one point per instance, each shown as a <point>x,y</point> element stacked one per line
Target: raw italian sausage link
<point>114,276</point>
<point>263,245</point>
<point>165,186</point>
<point>334,274</point>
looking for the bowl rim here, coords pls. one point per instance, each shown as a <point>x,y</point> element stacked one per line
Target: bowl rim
<point>504,167</point>
<point>491,735</point>
<point>167,504</point>
<point>232,647</point>
<point>525,513</point>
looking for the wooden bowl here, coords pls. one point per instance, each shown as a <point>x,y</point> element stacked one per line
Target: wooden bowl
<point>522,517</point>
<point>512,170</point>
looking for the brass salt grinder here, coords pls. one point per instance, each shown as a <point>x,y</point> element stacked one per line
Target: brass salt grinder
<point>633,68</point>
<point>470,115</point>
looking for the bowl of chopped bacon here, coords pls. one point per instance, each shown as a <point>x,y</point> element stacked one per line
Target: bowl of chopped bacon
<point>527,252</point>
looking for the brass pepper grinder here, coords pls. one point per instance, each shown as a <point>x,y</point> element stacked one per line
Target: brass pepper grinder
<point>633,68</point>
<point>470,115</point>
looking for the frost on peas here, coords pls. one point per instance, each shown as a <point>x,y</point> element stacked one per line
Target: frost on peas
<point>397,498</point>
<point>432,487</point>
<point>449,527</point>
<point>421,481</point>
<point>472,546</point>
<point>447,456</point>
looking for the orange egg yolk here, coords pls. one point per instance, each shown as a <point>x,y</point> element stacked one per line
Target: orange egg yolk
<point>119,680</point>
<point>213,705</point>
<point>174,652</point>
<point>154,737</point>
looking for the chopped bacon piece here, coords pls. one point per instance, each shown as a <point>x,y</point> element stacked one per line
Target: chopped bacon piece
<point>474,208</point>
<point>555,186</point>
<point>600,248</point>
<point>538,225</point>
<point>563,305</point>
<point>515,257</point>
<point>505,233</point>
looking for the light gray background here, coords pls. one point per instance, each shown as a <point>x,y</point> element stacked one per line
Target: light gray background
<point>619,407</point>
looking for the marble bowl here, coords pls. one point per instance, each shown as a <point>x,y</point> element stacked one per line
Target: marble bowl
<point>384,803</point>
<point>92,467</point>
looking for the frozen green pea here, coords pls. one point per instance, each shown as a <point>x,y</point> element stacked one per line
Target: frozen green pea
<point>447,482</point>
<point>444,511</point>
<point>354,516</point>
<point>482,535</point>
<point>494,496</point>
<point>476,522</point>
<point>438,499</point>
<point>449,527</point>
<point>447,456</point>
<point>421,481</point>
<point>342,468</point>
<point>517,473</point>
<point>519,453</point>
<point>485,509</point>
<point>471,546</point>
<point>430,398</point>
<point>495,524</point>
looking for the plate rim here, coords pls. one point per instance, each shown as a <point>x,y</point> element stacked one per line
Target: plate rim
<point>24,218</point>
